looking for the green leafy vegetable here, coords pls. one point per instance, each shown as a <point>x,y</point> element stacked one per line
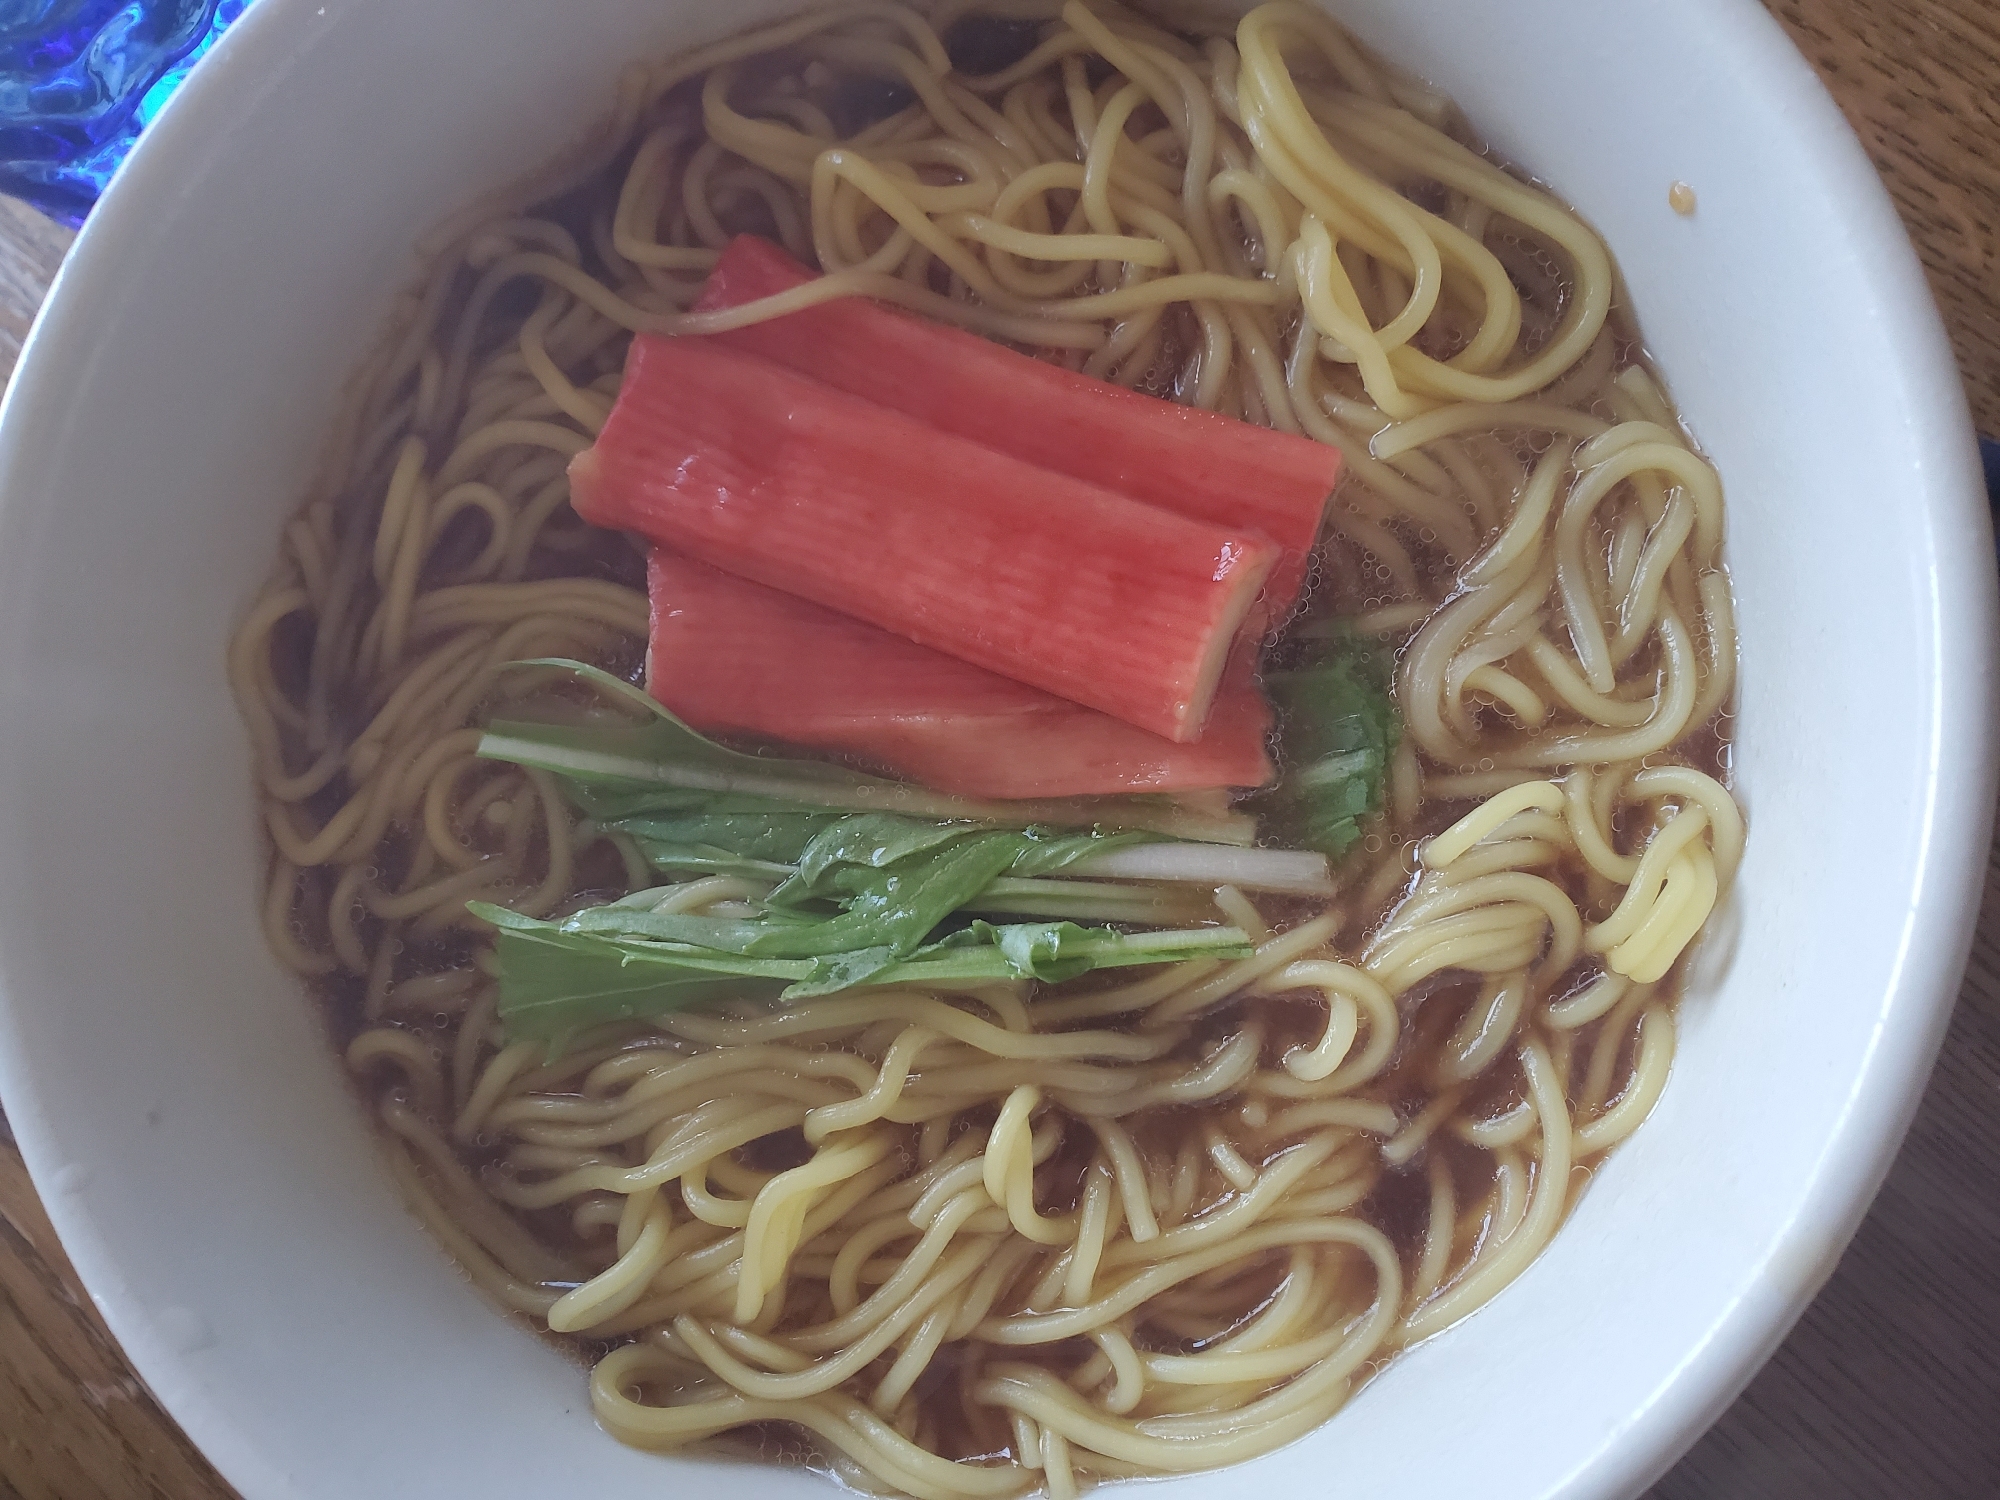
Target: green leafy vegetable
<point>694,807</point>
<point>1151,905</point>
<point>557,978</point>
<point>1338,727</point>
<point>864,892</point>
<point>862,879</point>
<point>615,768</point>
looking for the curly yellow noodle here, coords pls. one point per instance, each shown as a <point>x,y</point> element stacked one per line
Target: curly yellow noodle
<point>1136,1226</point>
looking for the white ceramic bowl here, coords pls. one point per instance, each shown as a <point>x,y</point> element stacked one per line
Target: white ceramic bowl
<point>209,1171</point>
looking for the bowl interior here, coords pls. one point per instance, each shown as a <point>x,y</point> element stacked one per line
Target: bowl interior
<point>175,1095</point>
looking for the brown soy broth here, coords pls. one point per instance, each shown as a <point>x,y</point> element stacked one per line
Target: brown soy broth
<point>1171,1140</point>
<point>1167,1138</point>
<point>1398,1205</point>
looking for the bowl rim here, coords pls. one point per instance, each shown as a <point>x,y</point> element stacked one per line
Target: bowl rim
<point>1962,742</point>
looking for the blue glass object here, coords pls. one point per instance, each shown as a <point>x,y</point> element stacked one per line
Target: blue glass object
<point>79,79</point>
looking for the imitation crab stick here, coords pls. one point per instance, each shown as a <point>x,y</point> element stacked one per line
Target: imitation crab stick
<point>1039,576</point>
<point>733,657</point>
<point>1196,463</point>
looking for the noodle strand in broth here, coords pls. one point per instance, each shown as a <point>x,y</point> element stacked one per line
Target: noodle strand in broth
<point>978,1242</point>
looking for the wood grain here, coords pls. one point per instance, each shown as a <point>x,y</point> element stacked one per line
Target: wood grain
<point>77,1423</point>
<point>1890,1385</point>
<point>1920,82</point>
<point>31,247</point>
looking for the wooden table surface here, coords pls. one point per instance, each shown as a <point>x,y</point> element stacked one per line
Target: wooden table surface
<point>1889,1387</point>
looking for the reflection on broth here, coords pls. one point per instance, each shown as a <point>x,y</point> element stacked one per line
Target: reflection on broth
<point>1149,1144</point>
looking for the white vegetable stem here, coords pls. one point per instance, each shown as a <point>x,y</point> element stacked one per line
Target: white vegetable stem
<point>1293,871</point>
